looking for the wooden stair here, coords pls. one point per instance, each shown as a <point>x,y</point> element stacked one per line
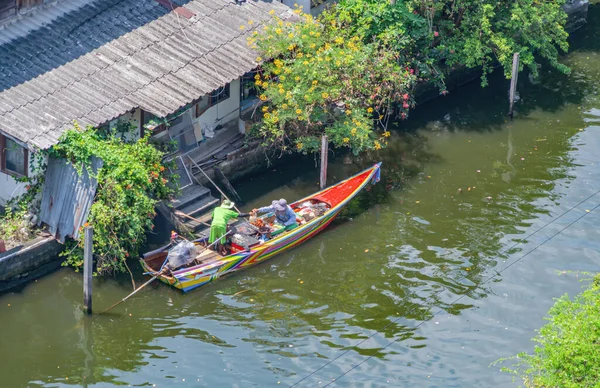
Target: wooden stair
<point>197,202</point>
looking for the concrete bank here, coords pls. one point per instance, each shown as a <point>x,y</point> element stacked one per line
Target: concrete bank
<point>30,261</point>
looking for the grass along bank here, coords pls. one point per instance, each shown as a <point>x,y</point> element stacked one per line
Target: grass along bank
<point>567,353</point>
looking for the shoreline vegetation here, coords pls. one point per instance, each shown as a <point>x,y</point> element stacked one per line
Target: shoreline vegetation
<point>567,353</point>
<point>306,93</point>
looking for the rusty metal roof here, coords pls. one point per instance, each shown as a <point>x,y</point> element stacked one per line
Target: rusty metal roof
<point>105,59</point>
<point>67,197</point>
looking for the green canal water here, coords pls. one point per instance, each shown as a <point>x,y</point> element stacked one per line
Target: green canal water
<point>448,264</point>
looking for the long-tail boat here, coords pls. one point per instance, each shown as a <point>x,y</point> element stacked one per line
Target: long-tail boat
<point>210,265</point>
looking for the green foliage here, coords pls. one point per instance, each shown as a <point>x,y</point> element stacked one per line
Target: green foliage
<point>14,228</point>
<point>348,72</point>
<point>482,33</point>
<point>130,183</point>
<point>16,224</point>
<point>326,79</point>
<point>568,354</point>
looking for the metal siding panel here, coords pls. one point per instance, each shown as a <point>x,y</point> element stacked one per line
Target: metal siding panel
<point>67,198</point>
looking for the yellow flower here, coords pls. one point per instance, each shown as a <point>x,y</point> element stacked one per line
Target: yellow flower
<point>291,35</point>
<point>265,84</point>
<point>242,27</point>
<point>281,91</point>
<point>254,33</point>
<point>297,78</point>
<point>300,118</point>
<point>258,59</point>
<point>348,112</point>
<point>312,45</point>
<point>311,33</point>
<point>282,77</point>
<point>298,111</point>
<point>257,77</point>
<point>265,108</point>
<point>258,83</point>
<point>278,31</point>
<point>263,97</point>
<point>305,62</point>
<point>377,145</point>
<point>267,115</point>
<point>339,40</point>
<point>271,12</point>
<point>346,140</point>
<point>299,146</point>
<point>291,47</point>
<point>275,119</point>
<point>315,82</point>
<point>297,11</point>
<point>280,23</point>
<point>353,132</point>
<point>250,22</point>
<point>386,134</point>
<point>300,55</point>
<point>324,95</point>
<point>284,106</point>
<point>370,110</point>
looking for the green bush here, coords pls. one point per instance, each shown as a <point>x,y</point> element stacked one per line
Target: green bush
<point>568,350</point>
<point>131,182</point>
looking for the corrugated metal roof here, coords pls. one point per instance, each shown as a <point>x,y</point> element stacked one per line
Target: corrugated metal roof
<point>67,198</point>
<point>105,59</point>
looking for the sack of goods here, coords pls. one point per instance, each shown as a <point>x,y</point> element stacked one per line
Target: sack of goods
<point>182,254</point>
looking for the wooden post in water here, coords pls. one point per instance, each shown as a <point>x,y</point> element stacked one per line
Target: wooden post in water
<point>513,84</point>
<point>324,151</point>
<point>88,258</point>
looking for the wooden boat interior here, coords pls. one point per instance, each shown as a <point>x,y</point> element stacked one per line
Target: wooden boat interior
<point>155,261</point>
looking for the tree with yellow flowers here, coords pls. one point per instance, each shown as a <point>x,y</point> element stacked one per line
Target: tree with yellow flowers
<point>325,80</point>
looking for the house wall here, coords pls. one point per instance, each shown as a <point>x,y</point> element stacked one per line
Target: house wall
<point>220,113</point>
<point>9,187</point>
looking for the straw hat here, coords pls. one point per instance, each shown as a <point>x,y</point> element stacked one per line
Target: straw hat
<point>227,204</point>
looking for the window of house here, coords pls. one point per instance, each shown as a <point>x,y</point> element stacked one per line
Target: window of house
<point>211,99</point>
<point>152,123</point>
<point>13,157</point>
<point>219,95</point>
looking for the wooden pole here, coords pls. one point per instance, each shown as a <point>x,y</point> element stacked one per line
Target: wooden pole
<point>227,184</point>
<point>324,151</point>
<point>88,259</point>
<point>157,274</point>
<point>513,84</point>
<point>211,181</point>
<point>182,214</point>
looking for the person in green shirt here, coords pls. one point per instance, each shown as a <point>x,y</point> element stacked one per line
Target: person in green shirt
<point>220,217</point>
